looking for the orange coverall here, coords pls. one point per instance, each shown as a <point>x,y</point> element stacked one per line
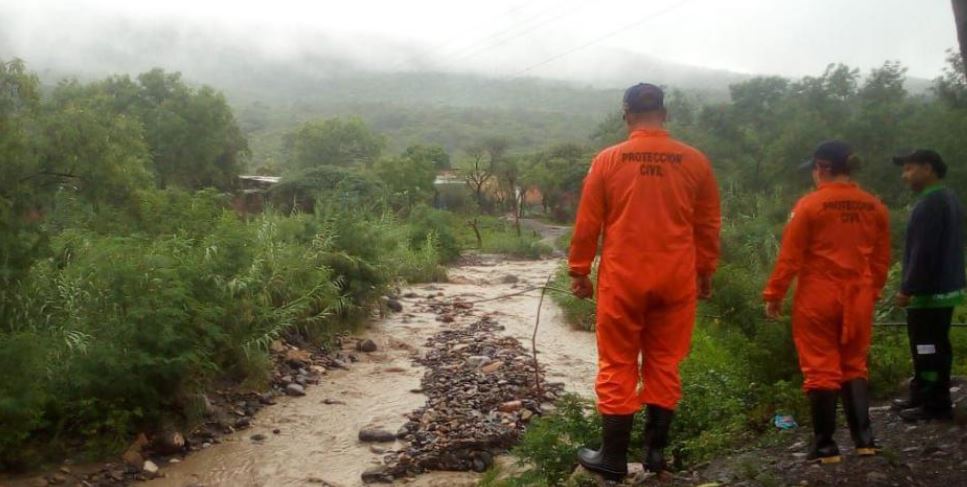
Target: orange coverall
<point>838,242</point>
<point>657,202</point>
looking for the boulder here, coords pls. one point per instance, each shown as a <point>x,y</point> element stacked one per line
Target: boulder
<point>376,435</point>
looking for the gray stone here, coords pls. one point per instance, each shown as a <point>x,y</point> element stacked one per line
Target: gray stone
<point>477,360</point>
<point>393,304</point>
<point>874,477</point>
<point>366,346</point>
<point>377,475</point>
<point>295,390</point>
<point>369,435</point>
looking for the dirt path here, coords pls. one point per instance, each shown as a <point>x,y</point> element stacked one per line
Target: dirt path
<point>317,444</point>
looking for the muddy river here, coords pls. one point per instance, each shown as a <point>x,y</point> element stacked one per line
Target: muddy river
<point>317,440</point>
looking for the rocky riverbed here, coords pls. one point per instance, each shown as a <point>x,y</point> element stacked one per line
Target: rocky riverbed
<point>482,389</point>
<point>445,382</point>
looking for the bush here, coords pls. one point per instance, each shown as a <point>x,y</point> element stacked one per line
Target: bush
<point>116,331</point>
<point>579,313</point>
<point>425,221</point>
<point>547,450</point>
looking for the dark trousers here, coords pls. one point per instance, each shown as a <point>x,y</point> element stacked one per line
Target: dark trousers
<point>929,332</point>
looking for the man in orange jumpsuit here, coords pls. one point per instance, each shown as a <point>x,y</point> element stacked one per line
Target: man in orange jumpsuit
<point>837,242</point>
<point>656,201</point>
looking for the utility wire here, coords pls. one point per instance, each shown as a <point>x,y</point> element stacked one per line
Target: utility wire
<point>610,34</point>
<point>473,44</point>
<point>443,45</point>
<point>472,53</point>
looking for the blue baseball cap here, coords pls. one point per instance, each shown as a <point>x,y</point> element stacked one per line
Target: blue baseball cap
<point>643,97</point>
<point>836,152</point>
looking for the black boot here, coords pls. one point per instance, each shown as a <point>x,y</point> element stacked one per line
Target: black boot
<point>914,400</point>
<point>905,403</point>
<point>856,405</point>
<point>611,461</point>
<point>924,413</point>
<point>823,405</point>
<point>656,437</point>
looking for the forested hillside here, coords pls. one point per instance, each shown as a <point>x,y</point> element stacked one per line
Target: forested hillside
<point>131,281</point>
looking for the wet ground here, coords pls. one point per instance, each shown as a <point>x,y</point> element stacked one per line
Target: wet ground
<point>317,443</point>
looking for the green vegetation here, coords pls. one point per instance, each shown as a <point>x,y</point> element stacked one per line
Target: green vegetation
<point>742,369</point>
<point>131,280</point>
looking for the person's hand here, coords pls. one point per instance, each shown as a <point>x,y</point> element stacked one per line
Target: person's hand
<point>581,287</point>
<point>773,310</point>
<point>704,286</point>
<point>901,300</point>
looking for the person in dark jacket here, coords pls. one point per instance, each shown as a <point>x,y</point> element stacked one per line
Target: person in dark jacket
<point>933,283</point>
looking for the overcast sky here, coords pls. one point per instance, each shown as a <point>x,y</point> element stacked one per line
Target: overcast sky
<point>540,37</point>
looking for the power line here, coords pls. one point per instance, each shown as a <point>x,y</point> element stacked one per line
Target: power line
<point>461,52</point>
<point>574,8</point>
<point>610,34</point>
<point>505,13</point>
<point>536,16</point>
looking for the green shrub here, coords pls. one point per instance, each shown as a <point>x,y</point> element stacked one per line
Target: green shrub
<point>24,392</point>
<point>579,313</point>
<point>117,329</point>
<point>424,221</point>
<point>547,450</point>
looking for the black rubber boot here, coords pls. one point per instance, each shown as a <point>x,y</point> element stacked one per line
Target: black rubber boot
<point>914,400</point>
<point>611,461</point>
<point>924,413</point>
<point>656,437</point>
<point>823,405</point>
<point>905,403</point>
<point>856,405</point>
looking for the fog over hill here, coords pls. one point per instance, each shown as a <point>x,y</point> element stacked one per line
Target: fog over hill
<point>278,77</point>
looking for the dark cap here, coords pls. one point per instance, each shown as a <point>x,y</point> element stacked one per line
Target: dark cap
<point>644,97</point>
<point>836,152</point>
<point>923,156</point>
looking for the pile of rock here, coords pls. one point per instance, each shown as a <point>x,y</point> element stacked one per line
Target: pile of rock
<point>481,394</point>
<point>447,311</point>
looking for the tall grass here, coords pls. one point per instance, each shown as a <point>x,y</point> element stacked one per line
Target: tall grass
<point>129,317</point>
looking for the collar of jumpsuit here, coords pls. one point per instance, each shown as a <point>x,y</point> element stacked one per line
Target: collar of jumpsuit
<point>837,184</point>
<point>648,132</point>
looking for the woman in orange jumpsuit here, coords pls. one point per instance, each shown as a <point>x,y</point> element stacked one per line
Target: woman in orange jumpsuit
<point>656,201</point>
<point>837,242</point>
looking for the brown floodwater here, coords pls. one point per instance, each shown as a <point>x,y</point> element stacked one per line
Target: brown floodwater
<point>317,440</point>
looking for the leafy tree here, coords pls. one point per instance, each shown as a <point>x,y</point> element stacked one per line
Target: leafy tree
<point>346,187</point>
<point>436,154</point>
<point>558,174</point>
<point>409,178</point>
<point>333,142</point>
<point>191,133</point>
<point>20,192</point>
<point>91,149</point>
<point>951,87</point>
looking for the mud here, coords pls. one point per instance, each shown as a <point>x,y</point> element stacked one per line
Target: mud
<point>317,440</point>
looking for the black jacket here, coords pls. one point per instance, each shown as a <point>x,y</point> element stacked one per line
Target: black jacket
<point>933,259</point>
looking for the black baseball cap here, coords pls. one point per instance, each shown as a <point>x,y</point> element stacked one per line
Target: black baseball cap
<point>836,152</point>
<point>923,156</point>
<point>644,97</point>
